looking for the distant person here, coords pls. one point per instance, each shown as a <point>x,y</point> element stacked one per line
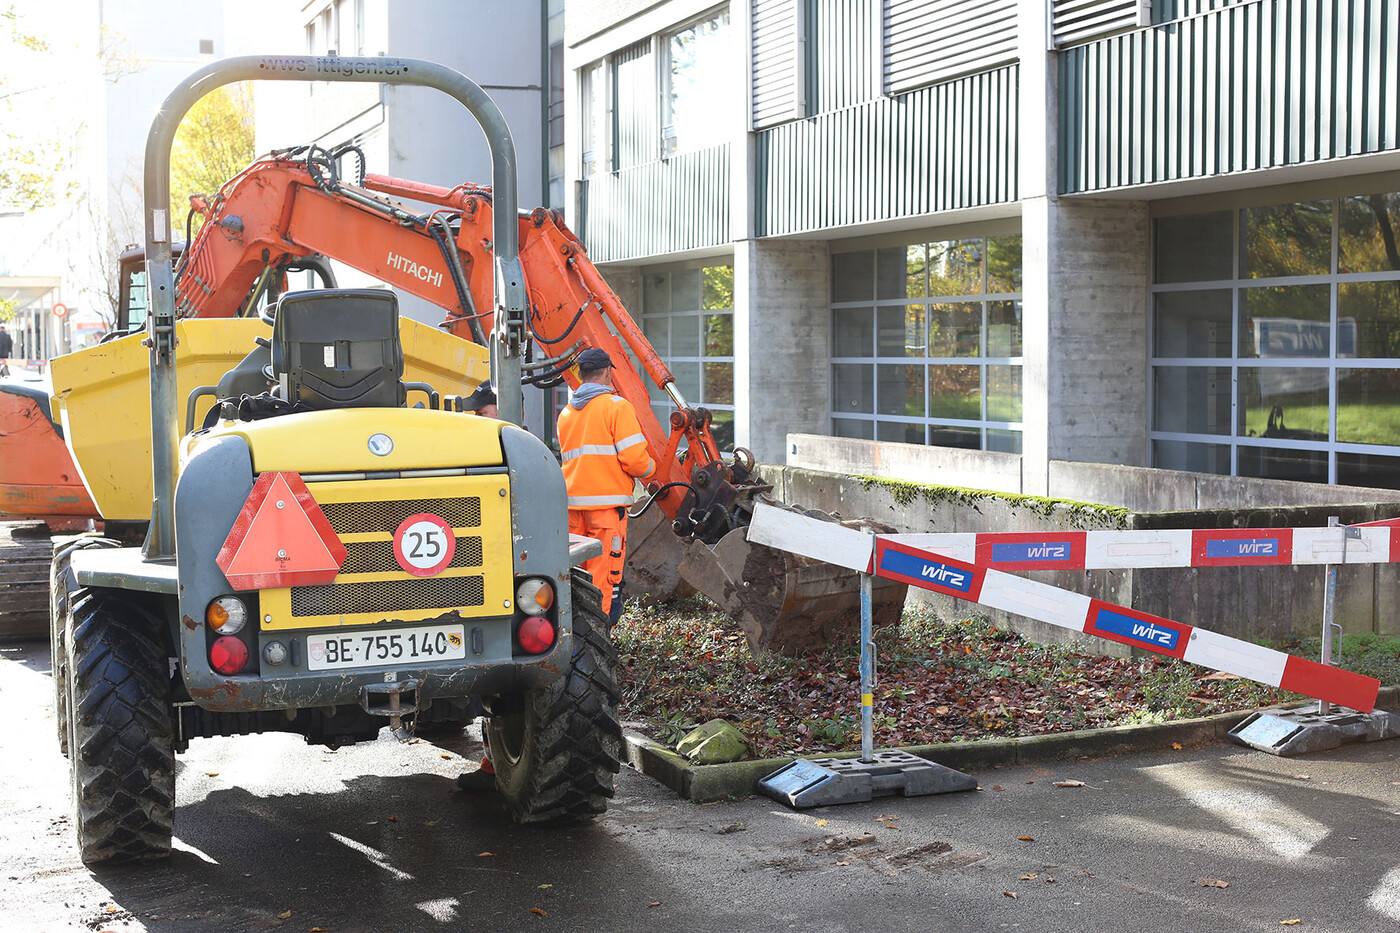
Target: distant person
<point>7,344</point>
<point>482,401</point>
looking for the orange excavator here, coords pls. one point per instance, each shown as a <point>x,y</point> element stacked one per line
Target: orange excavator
<point>293,206</point>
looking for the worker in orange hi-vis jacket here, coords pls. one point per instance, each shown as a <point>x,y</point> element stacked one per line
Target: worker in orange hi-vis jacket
<point>604,454</point>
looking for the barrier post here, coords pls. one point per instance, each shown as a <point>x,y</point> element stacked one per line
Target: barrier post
<point>1329,602</point>
<point>867,670</point>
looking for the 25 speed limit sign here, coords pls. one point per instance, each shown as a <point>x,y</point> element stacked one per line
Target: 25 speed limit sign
<point>424,544</point>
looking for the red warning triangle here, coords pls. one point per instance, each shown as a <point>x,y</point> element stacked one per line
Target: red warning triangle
<point>281,538</point>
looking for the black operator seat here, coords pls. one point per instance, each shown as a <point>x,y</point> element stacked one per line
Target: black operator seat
<point>338,348</point>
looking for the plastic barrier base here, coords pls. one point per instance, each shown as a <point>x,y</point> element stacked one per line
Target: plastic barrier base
<point>820,782</point>
<point>1287,732</point>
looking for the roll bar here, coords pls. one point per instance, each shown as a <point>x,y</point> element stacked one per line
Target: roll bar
<point>507,339</point>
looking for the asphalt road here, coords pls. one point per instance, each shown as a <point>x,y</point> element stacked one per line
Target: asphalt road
<point>273,834</point>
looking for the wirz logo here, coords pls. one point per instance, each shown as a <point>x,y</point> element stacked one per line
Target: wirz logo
<point>1150,632</point>
<point>1242,547</point>
<point>1146,633</point>
<point>945,575</point>
<point>922,568</point>
<point>1021,552</point>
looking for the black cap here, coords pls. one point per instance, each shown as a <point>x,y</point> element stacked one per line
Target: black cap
<point>590,361</point>
<point>484,395</point>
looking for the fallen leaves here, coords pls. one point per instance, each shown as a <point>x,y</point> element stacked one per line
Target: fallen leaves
<point>1176,745</point>
<point>1026,838</point>
<point>1072,784</point>
<point>486,855</point>
<point>939,681</point>
<point>823,822</point>
<point>284,915</point>
<point>733,828</point>
<point>1211,883</point>
<point>1290,923</point>
<point>538,912</point>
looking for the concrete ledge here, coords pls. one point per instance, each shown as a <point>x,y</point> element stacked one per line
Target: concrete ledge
<point>700,783</point>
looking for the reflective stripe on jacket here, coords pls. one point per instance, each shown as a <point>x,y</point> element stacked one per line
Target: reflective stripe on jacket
<point>603,450</point>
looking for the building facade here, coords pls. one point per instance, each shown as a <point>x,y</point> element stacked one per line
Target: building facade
<point>1156,233</point>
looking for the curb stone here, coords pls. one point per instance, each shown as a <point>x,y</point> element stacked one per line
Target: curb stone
<point>702,783</point>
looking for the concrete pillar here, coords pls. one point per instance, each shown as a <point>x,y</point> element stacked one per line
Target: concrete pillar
<point>782,343</point>
<point>1099,329</point>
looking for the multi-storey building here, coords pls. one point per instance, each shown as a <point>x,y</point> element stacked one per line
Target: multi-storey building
<point>1144,232</point>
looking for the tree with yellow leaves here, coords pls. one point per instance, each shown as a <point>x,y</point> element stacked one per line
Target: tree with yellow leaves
<point>213,143</point>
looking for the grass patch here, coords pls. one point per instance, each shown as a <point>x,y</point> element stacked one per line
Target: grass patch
<point>684,663</point>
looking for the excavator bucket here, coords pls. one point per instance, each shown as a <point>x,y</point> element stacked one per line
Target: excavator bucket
<point>785,603</point>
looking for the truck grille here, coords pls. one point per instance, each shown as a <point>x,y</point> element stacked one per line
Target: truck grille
<point>372,587</point>
<point>388,596</point>
<point>360,517</point>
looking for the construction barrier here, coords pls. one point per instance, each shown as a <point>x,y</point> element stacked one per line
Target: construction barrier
<point>978,580</point>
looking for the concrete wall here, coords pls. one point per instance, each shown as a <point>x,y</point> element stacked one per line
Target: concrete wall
<point>782,378</point>
<point>1274,603</point>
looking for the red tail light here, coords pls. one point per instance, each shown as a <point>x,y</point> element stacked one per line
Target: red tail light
<point>536,635</point>
<point>228,655</point>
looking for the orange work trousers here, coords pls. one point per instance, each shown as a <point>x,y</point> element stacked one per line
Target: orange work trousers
<point>608,525</point>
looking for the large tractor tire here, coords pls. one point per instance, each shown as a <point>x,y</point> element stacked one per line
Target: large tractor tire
<point>556,749</point>
<point>121,749</point>
<point>63,549</point>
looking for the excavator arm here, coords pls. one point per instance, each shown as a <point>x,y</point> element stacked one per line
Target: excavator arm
<point>436,243</point>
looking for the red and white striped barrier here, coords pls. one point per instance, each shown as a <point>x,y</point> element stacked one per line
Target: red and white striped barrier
<point>1118,550</point>
<point>893,556</point>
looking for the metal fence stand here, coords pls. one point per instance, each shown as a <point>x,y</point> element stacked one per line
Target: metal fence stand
<point>1307,729</point>
<point>820,782</point>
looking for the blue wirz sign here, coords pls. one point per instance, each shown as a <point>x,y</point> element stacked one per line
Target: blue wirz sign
<point>1139,630</point>
<point>1242,547</point>
<point>921,568</point>
<point>1020,552</point>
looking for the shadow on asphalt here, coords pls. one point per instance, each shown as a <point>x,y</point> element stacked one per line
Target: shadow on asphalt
<point>402,853</point>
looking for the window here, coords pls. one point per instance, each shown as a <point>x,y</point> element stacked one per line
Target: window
<point>595,120</point>
<point>926,342</point>
<point>206,46</point>
<point>1276,341</point>
<point>688,317</point>
<point>701,84</point>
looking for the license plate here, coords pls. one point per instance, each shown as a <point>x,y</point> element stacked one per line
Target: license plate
<point>330,651</point>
